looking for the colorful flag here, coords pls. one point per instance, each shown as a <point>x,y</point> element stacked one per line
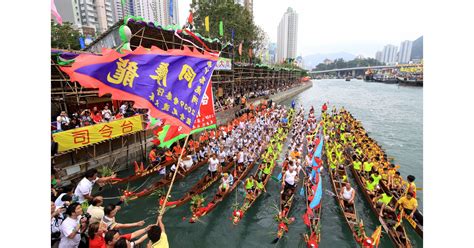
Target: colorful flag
<point>206,23</point>
<point>190,17</point>
<point>221,28</point>
<point>250,52</point>
<point>316,202</point>
<point>55,13</point>
<point>206,119</point>
<point>376,236</point>
<point>169,83</point>
<point>240,48</point>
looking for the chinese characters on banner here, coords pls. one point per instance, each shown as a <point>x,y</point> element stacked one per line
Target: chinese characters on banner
<point>224,64</point>
<point>88,135</point>
<point>207,116</point>
<point>169,83</point>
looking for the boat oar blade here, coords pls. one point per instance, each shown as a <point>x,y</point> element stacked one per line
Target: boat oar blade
<point>279,176</point>
<point>302,191</point>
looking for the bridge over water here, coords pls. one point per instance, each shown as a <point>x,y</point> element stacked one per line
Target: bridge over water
<point>356,71</point>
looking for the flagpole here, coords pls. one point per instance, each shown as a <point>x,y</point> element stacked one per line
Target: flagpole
<point>162,211</point>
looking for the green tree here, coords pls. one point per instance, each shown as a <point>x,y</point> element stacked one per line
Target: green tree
<point>340,64</point>
<point>64,36</point>
<point>234,17</point>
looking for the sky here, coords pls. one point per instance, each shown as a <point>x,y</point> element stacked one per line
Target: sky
<point>360,27</point>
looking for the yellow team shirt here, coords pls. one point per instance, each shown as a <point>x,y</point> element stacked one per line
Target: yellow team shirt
<point>162,243</point>
<point>408,204</point>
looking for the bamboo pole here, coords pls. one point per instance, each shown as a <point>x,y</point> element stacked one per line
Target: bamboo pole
<point>162,210</point>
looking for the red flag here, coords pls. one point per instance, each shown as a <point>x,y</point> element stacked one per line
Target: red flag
<point>206,118</point>
<point>240,48</point>
<point>190,17</point>
<point>318,161</point>
<point>306,220</point>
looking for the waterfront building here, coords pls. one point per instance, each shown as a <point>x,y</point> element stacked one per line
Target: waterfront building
<point>405,52</point>
<point>389,54</point>
<point>287,36</point>
<point>378,56</point>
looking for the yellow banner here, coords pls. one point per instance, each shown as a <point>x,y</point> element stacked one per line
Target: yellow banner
<point>85,136</point>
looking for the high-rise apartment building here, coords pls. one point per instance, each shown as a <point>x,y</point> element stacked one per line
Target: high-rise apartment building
<point>145,9</point>
<point>378,56</point>
<point>405,51</point>
<point>127,9</point>
<point>69,11</point>
<point>96,14</point>
<point>389,54</point>
<point>287,36</point>
<point>163,10</point>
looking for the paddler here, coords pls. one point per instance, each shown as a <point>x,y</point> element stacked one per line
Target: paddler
<point>250,185</point>
<point>259,186</point>
<point>177,149</point>
<point>227,181</point>
<point>357,165</point>
<point>411,186</point>
<point>213,166</point>
<point>370,186</point>
<point>154,159</point>
<point>397,182</point>
<point>367,167</point>
<point>376,176</point>
<point>409,204</point>
<point>391,174</point>
<point>267,170</point>
<point>383,200</point>
<point>169,155</point>
<point>289,179</point>
<point>348,195</point>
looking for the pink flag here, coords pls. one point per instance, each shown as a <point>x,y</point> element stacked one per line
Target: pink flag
<point>55,13</point>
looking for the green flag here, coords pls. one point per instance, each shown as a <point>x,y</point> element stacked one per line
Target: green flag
<point>170,134</point>
<point>221,28</point>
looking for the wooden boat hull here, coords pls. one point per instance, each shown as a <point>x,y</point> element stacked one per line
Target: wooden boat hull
<point>216,199</point>
<point>200,187</point>
<point>165,181</point>
<point>402,241</point>
<point>414,224</point>
<point>350,218</point>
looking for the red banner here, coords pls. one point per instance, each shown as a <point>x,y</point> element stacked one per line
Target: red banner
<point>206,116</point>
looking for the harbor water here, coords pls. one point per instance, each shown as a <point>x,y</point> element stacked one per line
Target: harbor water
<point>391,114</point>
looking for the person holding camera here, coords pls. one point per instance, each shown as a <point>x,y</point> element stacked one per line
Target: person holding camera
<point>56,221</point>
<point>72,227</point>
